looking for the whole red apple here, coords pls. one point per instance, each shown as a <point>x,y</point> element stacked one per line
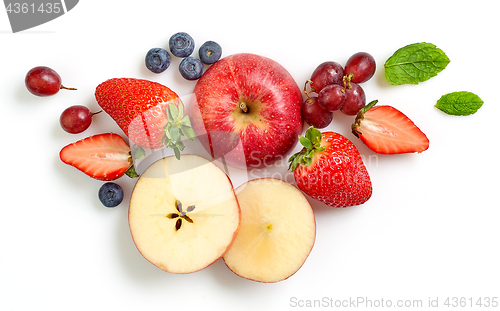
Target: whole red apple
<point>246,108</point>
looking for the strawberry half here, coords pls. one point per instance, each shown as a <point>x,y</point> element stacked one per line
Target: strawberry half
<point>386,130</point>
<point>149,113</point>
<point>329,169</point>
<point>104,156</point>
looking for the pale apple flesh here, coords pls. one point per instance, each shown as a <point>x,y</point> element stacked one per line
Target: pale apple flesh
<point>183,214</point>
<point>277,231</point>
<point>253,97</point>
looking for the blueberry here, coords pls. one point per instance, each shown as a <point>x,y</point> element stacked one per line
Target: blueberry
<point>210,52</point>
<point>191,68</point>
<point>157,60</point>
<point>110,194</point>
<point>181,44</point>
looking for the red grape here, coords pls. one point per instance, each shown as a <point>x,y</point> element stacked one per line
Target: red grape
<point>76,119</point>
<point>355,99</point>
<point>361,67</point>
<point>325,74</point>
<point>314,115</point>
<point>332,97</point>
<point>43,81</point>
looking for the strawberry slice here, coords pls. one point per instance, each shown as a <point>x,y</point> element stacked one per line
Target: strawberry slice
<point>386,130</point>
<point>104,156</point>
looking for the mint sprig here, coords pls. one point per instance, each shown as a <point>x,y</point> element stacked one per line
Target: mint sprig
<point>459,103</point>
<point>178,125</point>
<point>312,143</point>
<point>415,63</point>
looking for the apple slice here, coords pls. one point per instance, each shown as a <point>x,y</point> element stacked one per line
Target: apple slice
<point>277,231</point>
<point>183,214</point>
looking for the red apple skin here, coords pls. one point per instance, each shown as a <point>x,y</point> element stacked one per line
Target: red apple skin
<point>272,97</point>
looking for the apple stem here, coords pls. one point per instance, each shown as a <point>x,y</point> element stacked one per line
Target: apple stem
<point>244,107</point>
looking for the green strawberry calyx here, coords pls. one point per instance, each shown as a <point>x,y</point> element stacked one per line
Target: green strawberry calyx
<point>360,116</point>
<point>131,172</point>
<point>312,143</point>
<point>178,125</point>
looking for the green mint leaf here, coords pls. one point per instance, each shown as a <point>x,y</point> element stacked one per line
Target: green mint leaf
<point>305,142</point>
<point>415,63</point>
<point>459,103</point>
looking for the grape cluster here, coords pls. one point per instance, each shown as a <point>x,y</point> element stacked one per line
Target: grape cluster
<point>337,88</point>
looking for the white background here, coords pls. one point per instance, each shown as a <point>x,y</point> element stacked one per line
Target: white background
<point>429,231</point>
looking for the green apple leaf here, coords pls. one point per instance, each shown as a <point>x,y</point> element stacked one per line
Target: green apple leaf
<point>415,63</point>
<point>459,103</point>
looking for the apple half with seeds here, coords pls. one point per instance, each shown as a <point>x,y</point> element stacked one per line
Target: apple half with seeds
<point>183,214</point>
<point>276,234</point>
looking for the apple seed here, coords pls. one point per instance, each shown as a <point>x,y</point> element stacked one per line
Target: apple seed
<point>181,215</point>
<point>178,224</point>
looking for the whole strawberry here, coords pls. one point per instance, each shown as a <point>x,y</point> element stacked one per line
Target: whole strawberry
<point>329,169</point>
<point>149,113</point>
